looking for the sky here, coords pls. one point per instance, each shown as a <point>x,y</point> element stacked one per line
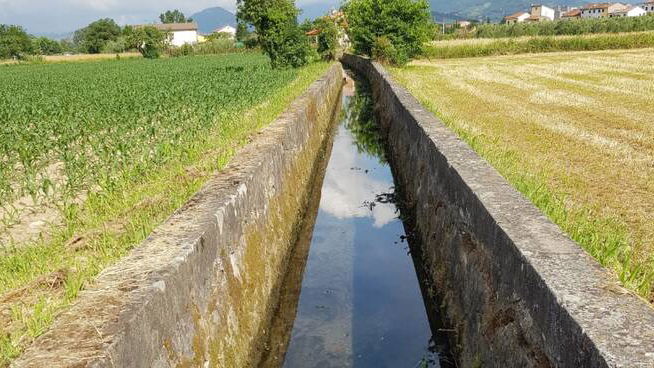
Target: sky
<point>61,16</point>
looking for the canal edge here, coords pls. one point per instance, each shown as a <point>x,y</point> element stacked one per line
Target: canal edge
<point>518,290</point>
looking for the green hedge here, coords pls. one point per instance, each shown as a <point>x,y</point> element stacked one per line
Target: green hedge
<point>567,27</point>
<point>473,48</point>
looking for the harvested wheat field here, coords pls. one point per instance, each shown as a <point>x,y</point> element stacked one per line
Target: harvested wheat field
<point>574,132</point>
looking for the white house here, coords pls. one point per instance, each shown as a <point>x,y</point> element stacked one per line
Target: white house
<point>598,10</point>
<point>180,33</point>
<point>518,17</point>
<point>227,29</point>
<point>648,6</point>
<point>540,13</point>
<point>629,11</point>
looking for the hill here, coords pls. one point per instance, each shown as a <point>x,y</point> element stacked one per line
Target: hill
<point>212,18</point>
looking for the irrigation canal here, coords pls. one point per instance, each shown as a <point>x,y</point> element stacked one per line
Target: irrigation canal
<point>352,297</point>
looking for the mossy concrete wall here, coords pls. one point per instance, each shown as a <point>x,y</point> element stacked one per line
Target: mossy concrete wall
<point>518,291</point>
<point>200,290</point>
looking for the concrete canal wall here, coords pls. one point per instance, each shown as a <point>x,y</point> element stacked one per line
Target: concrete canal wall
<point>199,292</point>
<point>516,289</point>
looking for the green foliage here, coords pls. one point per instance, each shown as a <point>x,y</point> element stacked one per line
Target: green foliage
<point>405,23</point>
<point>242,32</point>
<point>121,44</point>
<point>219,36</point>
<point>95,36</point>
<point>174,16</point>
<point>278,32</point>
<point>567,27</point>
<point>211,47</point>
<point>46,46</point>
<point>132,116</point>
<point>67,46</point>
<point>327,39</point>
<point>14,42</point>
<point>148,40</point>
<point>474,48</point>
<point>145,135</point>
<point>384,51</point>
<point>360,120</point>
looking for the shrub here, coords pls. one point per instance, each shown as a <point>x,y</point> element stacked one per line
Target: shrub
<point>327,39</point>
<point>14,42</point>
<point>148,40</point>
<point>95,36</point>
<point>46,46</point>
<point>405,23</point>
<point>278,32</point>
<point>384,51</point>
<point>216,46</point>
<point>116,46</point>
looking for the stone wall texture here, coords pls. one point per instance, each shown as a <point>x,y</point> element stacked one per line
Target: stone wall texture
<point>516,289</point>
<point>200,290</point>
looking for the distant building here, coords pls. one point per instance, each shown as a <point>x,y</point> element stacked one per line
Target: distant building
<point>562,9</point>
<point>227,29</point>
<point>598,10</point>
<point>466,23</point>
<point>648,6</point>
<point>629,11</point>
<point>541,13</point>
<point>179,34</point>
<point>518,17</point>
<point>571,14</point>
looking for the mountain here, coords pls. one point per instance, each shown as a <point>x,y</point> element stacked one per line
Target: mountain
<point>495,10</point>
<point>212,18</point>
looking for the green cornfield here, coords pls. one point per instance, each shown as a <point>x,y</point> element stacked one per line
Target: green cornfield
<point>95,155</point>
<point>68,127</point>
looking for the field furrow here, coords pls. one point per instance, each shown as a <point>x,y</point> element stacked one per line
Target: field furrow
<point>573,131</point>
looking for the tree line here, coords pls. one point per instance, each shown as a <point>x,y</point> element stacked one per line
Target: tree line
<point>572,27</point>
<point>392,31</point>
<point>101,36</point>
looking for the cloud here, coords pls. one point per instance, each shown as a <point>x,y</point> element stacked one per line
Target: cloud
<point>52,16</point>
<point>345,190</point>
<point>55,16</point>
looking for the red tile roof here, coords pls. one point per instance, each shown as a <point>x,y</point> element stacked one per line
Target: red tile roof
<point>518,14</point>
<point>573,13</point>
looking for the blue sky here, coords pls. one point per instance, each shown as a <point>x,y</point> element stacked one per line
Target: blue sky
<point>59,16</point>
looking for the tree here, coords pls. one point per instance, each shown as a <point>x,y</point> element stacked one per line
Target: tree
<point>14,42</point>
<point>148,40</point>
<point>405,23</point>
<point>327,38</point>
<point>95,36</point>
<point>67,45</point>
<point>46,46</point>
<point>277,30</point>
<point>174,16</point>
<point>242,32</point>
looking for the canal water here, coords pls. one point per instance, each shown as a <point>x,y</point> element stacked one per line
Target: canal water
<point>351,297</point>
